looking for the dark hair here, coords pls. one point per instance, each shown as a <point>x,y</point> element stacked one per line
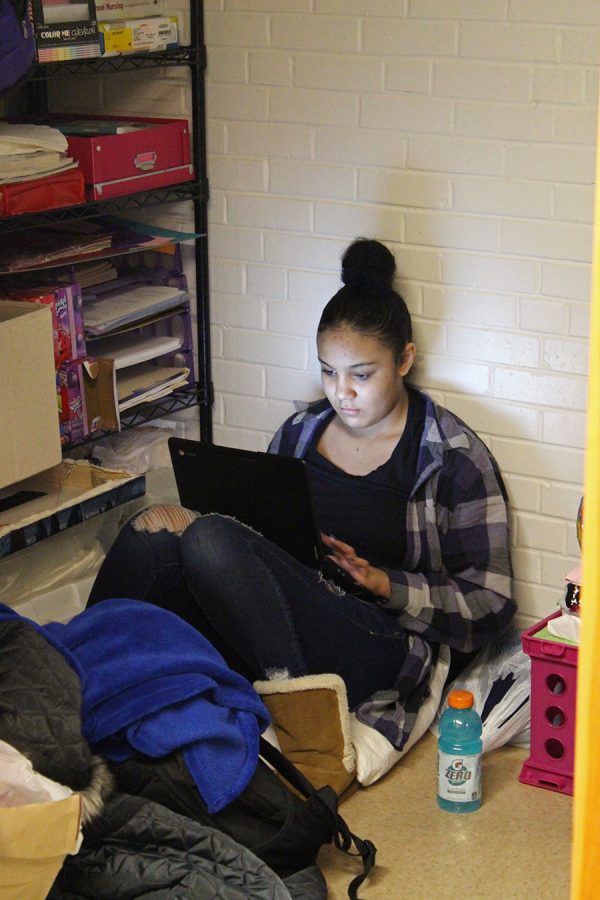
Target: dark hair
<point>368,303</point>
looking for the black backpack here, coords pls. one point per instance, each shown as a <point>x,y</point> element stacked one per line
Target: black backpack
<point>284,828</point>
<point>17,44</point>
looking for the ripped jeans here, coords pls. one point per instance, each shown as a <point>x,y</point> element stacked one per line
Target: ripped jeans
<point>266,613</point>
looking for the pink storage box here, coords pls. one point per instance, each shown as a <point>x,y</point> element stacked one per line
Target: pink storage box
<point>153,156</point>
<point>551,763</point>
<point>67,324</point>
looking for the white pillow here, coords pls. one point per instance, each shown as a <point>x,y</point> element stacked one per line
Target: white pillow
<point>374,754</point>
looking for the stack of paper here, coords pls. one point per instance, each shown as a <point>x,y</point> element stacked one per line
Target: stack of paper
<point>87,274</point>
<point>114,317</point>
<point>71,243</point>
<point>133,304</point>
<point>31,151</point>
<point>57,243</point>
<point>146,382</point>
<point>112,320</point>
<point>129,349</point>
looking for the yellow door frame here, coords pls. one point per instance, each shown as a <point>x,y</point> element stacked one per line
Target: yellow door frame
<point>585,872</point>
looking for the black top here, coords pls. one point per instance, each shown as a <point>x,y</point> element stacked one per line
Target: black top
<point>369,511</point>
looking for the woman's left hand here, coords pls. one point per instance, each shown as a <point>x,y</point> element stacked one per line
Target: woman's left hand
<point>376,581</point>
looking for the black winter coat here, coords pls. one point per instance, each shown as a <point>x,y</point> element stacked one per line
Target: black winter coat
<point>138,849</point>
<point>132,847</point>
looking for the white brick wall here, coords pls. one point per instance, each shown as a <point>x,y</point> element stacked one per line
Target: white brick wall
<point>463,134</point>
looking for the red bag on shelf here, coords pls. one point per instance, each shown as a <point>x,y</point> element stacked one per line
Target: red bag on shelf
<point>50,192</point>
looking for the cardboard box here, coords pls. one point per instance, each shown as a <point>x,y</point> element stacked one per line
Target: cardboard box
<point>138,35</point>
<point>87,398</point>
<point>59,498</point>
<point>129,154</point>
<point>29,435</point>
<point>35,839</point>
<point>111,10</point>
<point>65,31</point>
<point>66,308</point>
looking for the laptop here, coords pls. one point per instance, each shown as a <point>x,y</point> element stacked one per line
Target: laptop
<point>270,493</point>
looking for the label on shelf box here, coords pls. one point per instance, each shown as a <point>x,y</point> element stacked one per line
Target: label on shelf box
<point>137,35</point>
<point>109,10</point>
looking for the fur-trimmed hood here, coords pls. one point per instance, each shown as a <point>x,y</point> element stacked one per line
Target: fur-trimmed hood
<point>40,715</point>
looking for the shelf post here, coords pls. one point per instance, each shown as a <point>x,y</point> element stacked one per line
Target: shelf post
<point>197,70</point>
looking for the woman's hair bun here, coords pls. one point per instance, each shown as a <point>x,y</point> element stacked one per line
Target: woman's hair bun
<point>368,266</point>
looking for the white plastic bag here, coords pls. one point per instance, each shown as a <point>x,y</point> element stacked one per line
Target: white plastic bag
<point>136,451</point>
<point>20,784</point>
<point>499,678</point>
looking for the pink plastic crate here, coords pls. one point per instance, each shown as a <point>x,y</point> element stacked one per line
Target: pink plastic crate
<point>551,763</point>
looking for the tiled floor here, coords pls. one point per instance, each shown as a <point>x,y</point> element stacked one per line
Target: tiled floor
<point>516,847</point>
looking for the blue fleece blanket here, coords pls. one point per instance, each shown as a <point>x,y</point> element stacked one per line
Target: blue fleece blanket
<point>154,684</point>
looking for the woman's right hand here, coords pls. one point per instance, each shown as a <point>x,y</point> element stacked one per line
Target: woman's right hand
<point>374,580</point>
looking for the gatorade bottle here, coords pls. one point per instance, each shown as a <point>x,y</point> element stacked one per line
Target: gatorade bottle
<point>459,755</point>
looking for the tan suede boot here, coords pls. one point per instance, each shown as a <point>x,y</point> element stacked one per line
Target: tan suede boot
<point>311,720</point>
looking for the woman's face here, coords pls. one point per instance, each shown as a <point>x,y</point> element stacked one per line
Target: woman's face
<point>361,377</point>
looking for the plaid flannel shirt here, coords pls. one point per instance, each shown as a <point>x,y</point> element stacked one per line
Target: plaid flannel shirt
<point>455,585</point>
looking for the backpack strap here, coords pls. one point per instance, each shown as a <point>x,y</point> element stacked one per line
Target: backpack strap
<point>343,838</point>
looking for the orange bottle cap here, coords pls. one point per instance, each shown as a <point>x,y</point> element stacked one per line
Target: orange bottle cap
<point>460,699</point>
